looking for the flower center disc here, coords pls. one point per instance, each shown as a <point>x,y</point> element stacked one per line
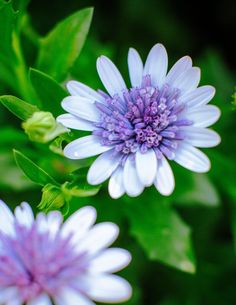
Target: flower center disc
<point>146,118</point>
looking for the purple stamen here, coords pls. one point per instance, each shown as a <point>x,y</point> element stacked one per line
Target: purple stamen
<point>147,117</point>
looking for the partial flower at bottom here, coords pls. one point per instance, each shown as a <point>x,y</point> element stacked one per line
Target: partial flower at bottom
<point>163,116</point>
<point>45,262</point>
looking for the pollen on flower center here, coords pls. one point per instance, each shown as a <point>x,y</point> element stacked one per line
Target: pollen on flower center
<point>147,117</point>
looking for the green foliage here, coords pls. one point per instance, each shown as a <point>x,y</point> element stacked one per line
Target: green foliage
<point>18,107</point>
<point>60,48</point>
<point>32,170</point>
<point>201,191</point>
<point>78,186</point>
<point>7,20</point>
<point>161,232</point>
<point>20,5</point>
<point>48,90</point>
<point>234,98</point>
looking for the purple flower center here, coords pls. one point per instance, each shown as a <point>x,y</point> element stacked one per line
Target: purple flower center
<point>146,118</point>
<point>37,262</point>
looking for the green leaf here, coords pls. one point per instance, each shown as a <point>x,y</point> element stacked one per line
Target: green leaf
<point>48,90</point>
<point>7,21</point>
<point>161,232</point>
<point>20,5</point>
<point>12,178</point>
<point>32,170</point>
<point>81,190</point>
<point>18,107</point>
<point>79,187</point>
<point>7,133</point>
<point>202,191</point>
<point>60,48</point>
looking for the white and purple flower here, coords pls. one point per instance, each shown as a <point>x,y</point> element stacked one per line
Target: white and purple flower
<point>162,116</point>
<point>45,262</point>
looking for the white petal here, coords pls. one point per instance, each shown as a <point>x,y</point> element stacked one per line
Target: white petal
<point>69,296</point>
<point>164,180</point>
<point>85,147</point>
<point>135,65</point>
<point>192,158</point>
<point>42,223</point>
<point>198,97</point>
<point>81,107</point>
<point>156,65</point>
<point>8,295</point>
<point>188,80</point>
<point>41,300</point>
<point>110,260</point>
<point>24,215</point>
<point>203,116</point>
<point>71,121</point>
<point>54,219</point>
<point>6,219</point>
<point>14,302</point>
<point>79,223</point>
<point>77,88</point>
<point>179,67</point>
<point>103,167</point>
<point>110,76</point>
<point>99,237</point>
<point>201,137</point>
<point>109,289</point>
<point>132,184</point>
<point>116,185</point>
<point>146,165</point>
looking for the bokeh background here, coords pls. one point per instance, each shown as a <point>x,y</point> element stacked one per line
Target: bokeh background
<point>206,32</point>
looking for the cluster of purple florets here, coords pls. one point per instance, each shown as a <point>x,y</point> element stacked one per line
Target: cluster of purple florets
<point>146,117</point>
<point>36,262</point>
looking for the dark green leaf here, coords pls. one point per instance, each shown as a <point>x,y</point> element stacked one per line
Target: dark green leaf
<point>48,90</point>
<point>32,170</point>
<point>60,48</point>
<point>20,5</point>
<point>161,232</point>
<point>18,107</point>
<point>7,20</point>
<point>202,191</point>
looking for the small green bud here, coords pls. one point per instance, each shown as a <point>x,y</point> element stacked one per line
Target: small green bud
<point>42,127</point>
<point>52,198</point>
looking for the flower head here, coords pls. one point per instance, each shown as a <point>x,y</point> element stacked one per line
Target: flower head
<point>43,260</point>
<point>162,116</point>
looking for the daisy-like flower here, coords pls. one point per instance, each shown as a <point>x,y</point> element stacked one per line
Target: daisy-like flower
<point>163,116</point>
<point>44,261</point>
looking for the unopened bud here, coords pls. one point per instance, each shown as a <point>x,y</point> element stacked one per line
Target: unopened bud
<point>42,127</point>
<point>52,198</point>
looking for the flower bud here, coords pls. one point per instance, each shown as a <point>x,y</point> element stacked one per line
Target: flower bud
<point>52,198</point>
<point>42,127</point>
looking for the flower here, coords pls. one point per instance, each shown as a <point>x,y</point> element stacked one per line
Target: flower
<point>44,261</point>
<point>162,116</point>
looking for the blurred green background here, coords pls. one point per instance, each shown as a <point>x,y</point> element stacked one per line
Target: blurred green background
<point>201,213</point>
